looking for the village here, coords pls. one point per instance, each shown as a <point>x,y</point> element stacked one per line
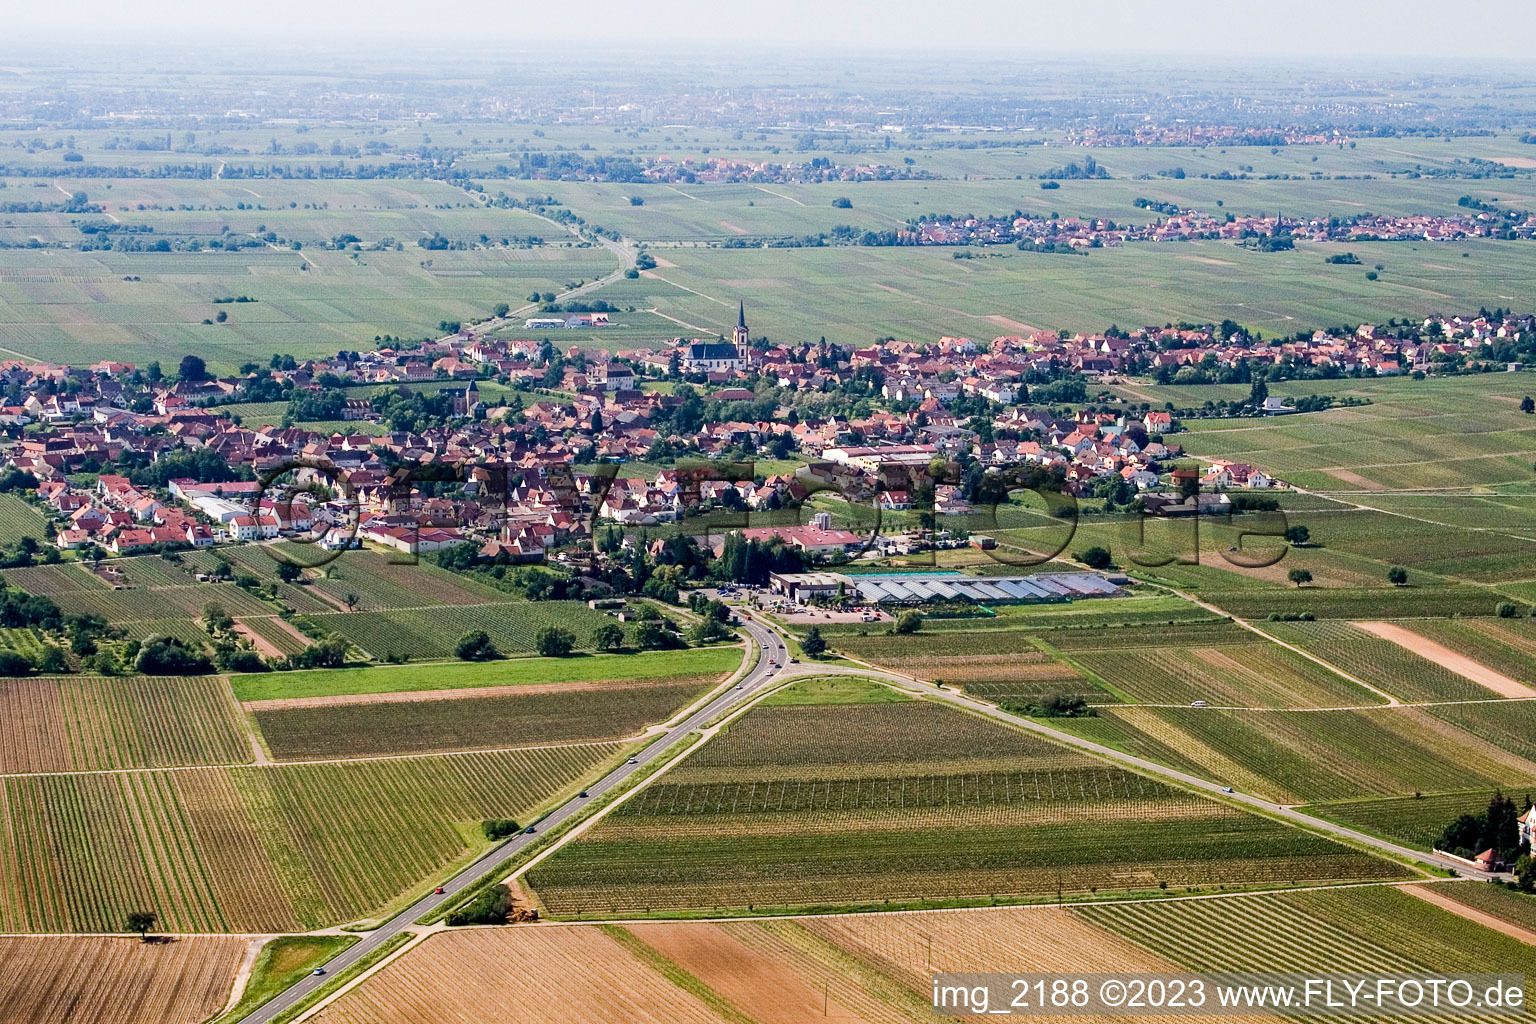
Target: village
<point>1182,224</point>
<point>545,462</point>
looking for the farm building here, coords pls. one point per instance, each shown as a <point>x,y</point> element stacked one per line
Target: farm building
<point>798,586</point>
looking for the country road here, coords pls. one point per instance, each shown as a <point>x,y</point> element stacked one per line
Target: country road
<point>762,676</point>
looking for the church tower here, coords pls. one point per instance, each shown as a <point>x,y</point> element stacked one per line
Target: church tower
<point>739,335</point>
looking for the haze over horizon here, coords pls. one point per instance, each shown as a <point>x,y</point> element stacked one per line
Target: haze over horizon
<point>1362,31</point>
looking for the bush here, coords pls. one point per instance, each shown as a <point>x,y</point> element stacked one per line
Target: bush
<point>1094,558</point>
<point>51,661</point>
<point>1055,705</point>
<point>500,828</point>
<point>13,664</point>
<point>908,622</point>
<point>168,656</point>
<point>476,646</point>
<point>1506,610</point>
<point>490,907</point>
<point>842,203</point>
<point>554,642</point>
<point>236,659</point>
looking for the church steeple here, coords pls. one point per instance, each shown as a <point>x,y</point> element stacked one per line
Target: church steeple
<point>739,336</point>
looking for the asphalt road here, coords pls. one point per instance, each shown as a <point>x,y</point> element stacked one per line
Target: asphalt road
<point>774,659</point>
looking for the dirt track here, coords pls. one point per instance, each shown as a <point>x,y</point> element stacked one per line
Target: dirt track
<point>1446,658</point>
<point>1431,894</point>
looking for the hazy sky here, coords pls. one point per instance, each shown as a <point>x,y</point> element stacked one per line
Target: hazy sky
<point>1368,31</point>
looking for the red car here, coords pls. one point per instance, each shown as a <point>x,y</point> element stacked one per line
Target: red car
<point>439,891</point>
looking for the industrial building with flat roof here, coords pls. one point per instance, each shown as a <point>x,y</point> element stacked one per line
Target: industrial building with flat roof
<point>920,588</point>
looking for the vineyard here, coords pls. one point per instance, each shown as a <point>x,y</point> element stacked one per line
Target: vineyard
<point>268,848</point>
<point>431,633</point>
<point>275,632</point>
<point>1313,755</point>
<point>1416,821</point>
<point>1503,645</point>
<point>18,520</point>
<point>559,714</point>
<point>1379,662</point>
<point>135,605</point>
<point>1258,674</point>
<point>913,802</point>
<point>1354,602</point>
<point>1367,929</point>
<point>1024,675</point>
<point>89,980</point>
<point>381,584</point>
<point>81,723</point>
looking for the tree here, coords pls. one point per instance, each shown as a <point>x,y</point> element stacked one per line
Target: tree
<point>501,310</point>
<point>141,921</point>
<point>1506,610</point>
<point>649,635</point>
<point>1397,576</point>
<point>169,656</point>
<point>1528,405</point>
<point>1299,576</point>
<point>608,637</point>
<point>215,618</point>
<point>1298,535</point>
<point>13,664</point>
<point>554,642</point>
<point>193,368</point>
<point>288,572</point>
<point>814,644</point>
<point>1258,393</point>
<point>52,661</point>
<point>908,622</point>
<point>350,600</point>
<point>1094,558</point>
<point>475,646</point>
<point>1525,872</point>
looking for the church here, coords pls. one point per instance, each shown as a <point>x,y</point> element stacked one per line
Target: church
<point>720,356</point>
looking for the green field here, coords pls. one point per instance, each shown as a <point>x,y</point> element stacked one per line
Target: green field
<point>460,675</point>
<point>74,307</point>
<point>911,802</point>
<point>853,295</point>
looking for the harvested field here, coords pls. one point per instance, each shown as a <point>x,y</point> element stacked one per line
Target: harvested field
<point>60,980</point>
<point>469,977</point>
<point>870,968</point>
<point>877,968</point>
<point>1446,658</point>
